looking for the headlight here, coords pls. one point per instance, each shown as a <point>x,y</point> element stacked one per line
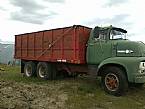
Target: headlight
<point>142,67</point>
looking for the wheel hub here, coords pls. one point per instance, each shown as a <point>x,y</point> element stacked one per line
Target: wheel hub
<point>111,82</point>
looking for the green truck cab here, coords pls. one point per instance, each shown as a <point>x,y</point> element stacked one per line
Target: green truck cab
<point>120,61</point>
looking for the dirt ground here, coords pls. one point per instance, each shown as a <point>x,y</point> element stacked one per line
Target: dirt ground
<point>18,92</point>
<point>15,95</point>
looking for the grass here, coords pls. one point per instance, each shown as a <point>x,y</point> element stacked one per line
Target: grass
<point>89,95</point>
<point>83,93</point>
<point>12,73</point>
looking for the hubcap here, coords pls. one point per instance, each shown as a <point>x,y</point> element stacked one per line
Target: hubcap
<point>111,82</point>
<point>42,71</point>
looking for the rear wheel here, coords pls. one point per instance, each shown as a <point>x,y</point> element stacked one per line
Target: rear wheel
<point>46,70</point>
<point>29,69</point>
<point>114,81</point>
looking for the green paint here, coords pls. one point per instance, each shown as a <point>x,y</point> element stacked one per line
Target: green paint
<point>104,48</point>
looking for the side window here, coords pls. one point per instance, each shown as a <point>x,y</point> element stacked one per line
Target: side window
<point>102,35</point>
<point>111,34</point>
<point>96,32</point>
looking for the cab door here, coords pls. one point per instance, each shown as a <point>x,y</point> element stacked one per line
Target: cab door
<point>98,49</point>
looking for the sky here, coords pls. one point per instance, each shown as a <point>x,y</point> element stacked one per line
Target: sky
<point>24,16</point>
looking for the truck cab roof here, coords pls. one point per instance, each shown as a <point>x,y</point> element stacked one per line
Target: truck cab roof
<point>119,29</point>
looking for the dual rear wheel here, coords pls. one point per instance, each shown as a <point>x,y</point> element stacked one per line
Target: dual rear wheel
<point>46,70</point>
<point>43,70</point>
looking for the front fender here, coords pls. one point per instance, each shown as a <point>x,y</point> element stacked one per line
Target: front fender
<point>130,64</point>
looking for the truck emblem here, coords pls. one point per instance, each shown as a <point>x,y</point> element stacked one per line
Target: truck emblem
<point>125,51</point>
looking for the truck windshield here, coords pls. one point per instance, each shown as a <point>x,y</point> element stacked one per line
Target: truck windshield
<point>116,34</point>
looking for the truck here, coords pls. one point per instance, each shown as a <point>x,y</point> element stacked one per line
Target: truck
<point>100,51</point>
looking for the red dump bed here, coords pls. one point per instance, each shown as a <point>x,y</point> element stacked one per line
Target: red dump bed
<point>56,45</point>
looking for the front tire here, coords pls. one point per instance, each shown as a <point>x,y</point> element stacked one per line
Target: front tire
<point>114,81</point>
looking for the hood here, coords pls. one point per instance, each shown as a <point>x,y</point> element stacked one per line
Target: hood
<point>128,48</point>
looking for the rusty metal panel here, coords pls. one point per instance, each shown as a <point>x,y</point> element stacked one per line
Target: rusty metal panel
<point>48,39</point>
<point>57,45</point>
<point>17,46</point>
<point>31,45</point>
<point>24,45</point>
<point>84,33</point>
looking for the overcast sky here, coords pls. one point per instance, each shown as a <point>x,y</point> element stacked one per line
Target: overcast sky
<point>21,16</point>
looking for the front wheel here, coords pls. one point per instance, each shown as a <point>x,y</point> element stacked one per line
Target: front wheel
<point>114,81</point>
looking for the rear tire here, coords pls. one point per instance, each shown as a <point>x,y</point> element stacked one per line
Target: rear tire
<point>114,81</point>
<point>29,69</point>
<point>46,70</point>
<point>43,70</point>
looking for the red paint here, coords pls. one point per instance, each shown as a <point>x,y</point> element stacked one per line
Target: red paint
<point>67,43</point>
